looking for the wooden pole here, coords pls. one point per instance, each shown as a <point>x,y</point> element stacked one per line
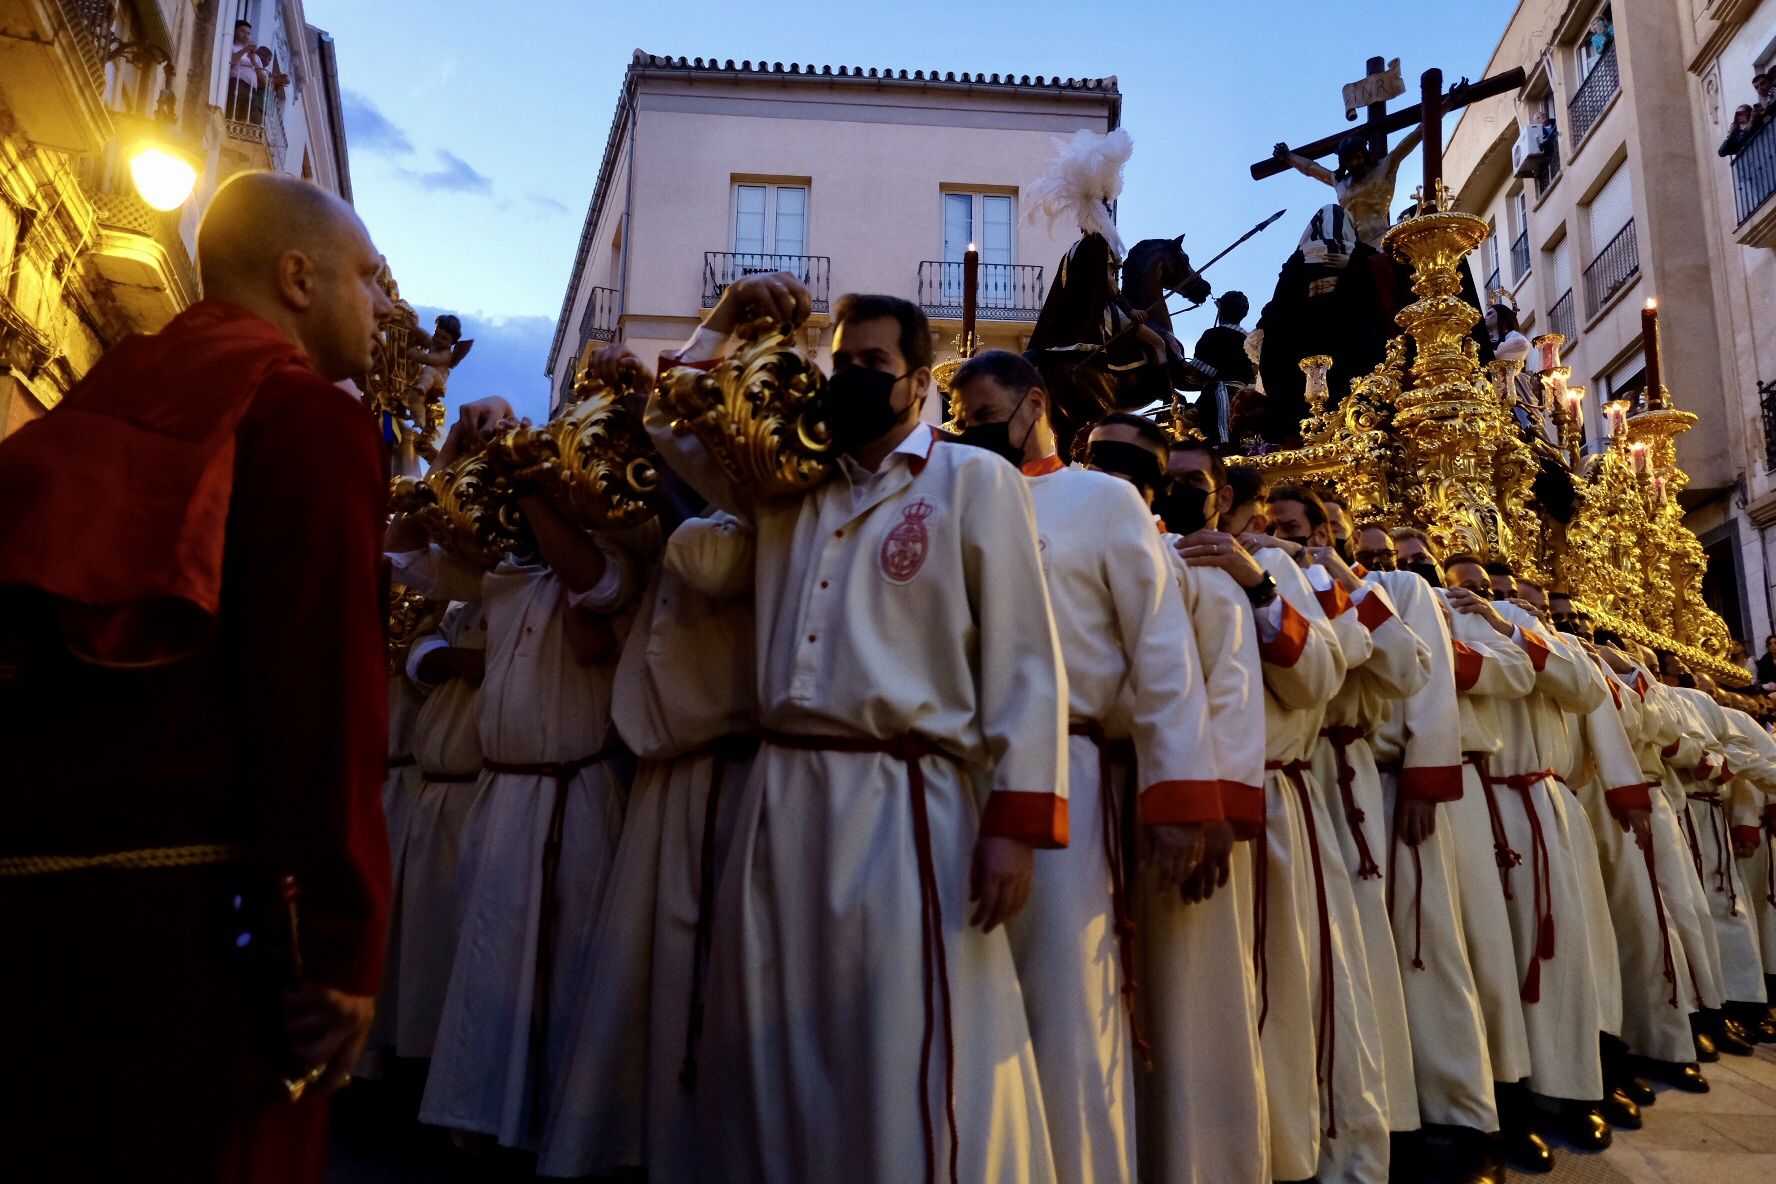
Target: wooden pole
<point>1378,112</point>
<point>1430,105</point>
<point>1649,344</point>
<point>970,297</point>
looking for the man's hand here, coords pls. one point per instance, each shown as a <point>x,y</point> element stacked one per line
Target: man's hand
<point>1335,565</point>
<point>1211,870</point>
<point>1415,821</point>
<point>1471,604</point>
<point>483,414</point>
<point>1004,870</point>
<point>1212,548</point>
<point>1638,823</point>
<point>778,298</point>
<point>618,366</point>
<point>327,1028</point>
<point>1176,850</point>
<point>1252,541</point>
<point>1745,847</point>
<point>1280,150</point>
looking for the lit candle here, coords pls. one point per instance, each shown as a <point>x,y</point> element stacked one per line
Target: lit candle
<point>1649,344</point>
<point>1616,413</point>
<point>1637,453</point>
<point>1575,406</point>
<point>1659,490</point>
<point>970,295</point>
<point>1554,381</point>
<point>1547,351</point>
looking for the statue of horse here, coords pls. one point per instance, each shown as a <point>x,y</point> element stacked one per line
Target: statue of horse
<point>1103,340</point>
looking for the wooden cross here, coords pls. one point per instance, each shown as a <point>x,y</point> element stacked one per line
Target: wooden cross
<point>1427,112</point>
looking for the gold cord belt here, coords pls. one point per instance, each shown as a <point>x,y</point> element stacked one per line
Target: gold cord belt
<point>144,858</point>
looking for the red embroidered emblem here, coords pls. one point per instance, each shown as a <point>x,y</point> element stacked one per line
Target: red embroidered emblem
<point>905,548</point>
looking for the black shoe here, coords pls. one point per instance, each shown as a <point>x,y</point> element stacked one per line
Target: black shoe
<point>1582,1126</point>
<point>1764,1031</point>
<point>1638,1091</point>
<point>1729,1037</point>
<point>1447,1155</point>
<point>1705,1050</point>
<point>1526,1149</point>
<point>1687,1078</point>
<point>1620,1110</point>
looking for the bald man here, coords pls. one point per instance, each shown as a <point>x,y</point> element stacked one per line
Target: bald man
<point>191,660</point>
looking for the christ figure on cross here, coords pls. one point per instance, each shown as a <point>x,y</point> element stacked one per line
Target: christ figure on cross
<point>1364,181</point>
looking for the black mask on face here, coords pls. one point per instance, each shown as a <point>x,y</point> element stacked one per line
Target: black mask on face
<point>1571,627</point>
<point>1183,507</point>
<point>1342,548</point>
<point>1138,464</point>
<point>1300,540</point>
<point>860,406</point>
<point>1425,571</point>
<point>996,437</point>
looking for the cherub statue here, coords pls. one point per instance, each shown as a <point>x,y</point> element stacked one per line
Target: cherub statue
<point>424,399</point>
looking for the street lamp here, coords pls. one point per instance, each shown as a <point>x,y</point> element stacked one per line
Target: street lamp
<point>164,175</point>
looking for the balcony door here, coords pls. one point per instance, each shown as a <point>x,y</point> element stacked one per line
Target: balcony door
<point>770,228</point>
<point>988,221</point>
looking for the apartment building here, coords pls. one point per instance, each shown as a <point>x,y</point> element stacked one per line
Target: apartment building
<point>853,178</point>
<point>85,87</point>
<point>1603,189</point>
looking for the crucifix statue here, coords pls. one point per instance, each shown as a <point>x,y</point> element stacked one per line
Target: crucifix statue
<point>1364,179</point>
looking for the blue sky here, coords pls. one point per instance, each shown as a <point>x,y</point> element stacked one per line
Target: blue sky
<point>475,130</point>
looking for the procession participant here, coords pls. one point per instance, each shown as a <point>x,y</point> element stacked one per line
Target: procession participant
<point>1753,816</point>
<point>450,665</point>
<point>1417,744</point>
<point>683,703</point>
<point>887,694</point>
<point>1198,1123</point>
<point>1487,668</point>
<point>193,658</point>
<point>1135,690</point>
<point>540,835</point>
<point>1384,661</point>
<point>1708,786</point>
<point>1549,917</point>
<point>1307,1026</point>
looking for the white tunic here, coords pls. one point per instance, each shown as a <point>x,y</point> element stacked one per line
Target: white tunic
<point>905,602</point>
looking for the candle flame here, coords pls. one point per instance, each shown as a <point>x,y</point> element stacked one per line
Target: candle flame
<point>971,248</point>
<point>1652,302</point>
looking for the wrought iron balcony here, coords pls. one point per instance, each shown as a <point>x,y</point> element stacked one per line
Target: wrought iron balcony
<point>600,321</point>
<point>721,268</point>
<point>1594,93</point>
<point>1615,265</point>
<point>1006,292</point>
<point>1520,257</point>
<point>1548,171</point>
<point>91,21</point>
<point>1767,402</point>
<point>1494,281</point>
<point>257,116</point>
<point>1561,319</point>
<point>1754,170</point>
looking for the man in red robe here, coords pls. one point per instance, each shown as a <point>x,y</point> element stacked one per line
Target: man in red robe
<point>192,715</point>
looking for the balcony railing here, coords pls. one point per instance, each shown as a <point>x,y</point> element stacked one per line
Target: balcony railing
<point>1561,319</point>
<point>1614,266</point>
<point>256,115</point>
<point>1006,292</point>
<point>1594,94</point>
<point>1520,257</point>
<point>721,268</point>
<point>1494,281</point>
<point>600,321</point>
<point>1754,170</point>
<point>1548,171</point>
<point>1767,401</point>
<point>91,22</point>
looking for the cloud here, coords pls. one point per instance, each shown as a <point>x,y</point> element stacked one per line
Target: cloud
<point>453,175</point>
<point>507,360</point>
<point>368,128</point>
<point>546,204</point>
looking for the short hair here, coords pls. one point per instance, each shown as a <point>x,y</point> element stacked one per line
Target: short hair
<point>1011,371</point>
<point>1335,499</point>
<point>1498,567</point>
<point>1537,584</point>
<point>1246,482</point>
<point>1217,466</point>
<point>239,25</point>
<point>1463,557</point>
<point>1233,306</point>
<point>1559,594</point>
<point>452,323</point>
<point>1146,429</point>
<point>1310,502</point>
<point>915,330</point>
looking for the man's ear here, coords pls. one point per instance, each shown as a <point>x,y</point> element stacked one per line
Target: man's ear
<point>294,277</point>
<point>1224,500</point>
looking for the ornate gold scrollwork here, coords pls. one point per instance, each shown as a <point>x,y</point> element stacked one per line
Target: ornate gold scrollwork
<point>410,617</point>
<point>466,507</point>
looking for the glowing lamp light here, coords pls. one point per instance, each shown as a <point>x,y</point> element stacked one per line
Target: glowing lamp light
<point>164,176</point>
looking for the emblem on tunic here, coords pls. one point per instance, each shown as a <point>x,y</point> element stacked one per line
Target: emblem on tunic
<point>905,548</point>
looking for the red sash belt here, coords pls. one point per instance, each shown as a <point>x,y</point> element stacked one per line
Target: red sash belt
<point>1652,868</point>
<point>562,773</point>
<point>1109,752</point>
<point>910,748</point>
<point>720,752</point>
<point>1417,877</point>
<point>1540,870</point>
<point>1723,847</point>
<point>1341,738</point>
<point>1326,1046</point>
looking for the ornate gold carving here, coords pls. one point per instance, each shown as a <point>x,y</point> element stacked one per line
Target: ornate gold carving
<point>410,617</point>
<point>416,423</point>
<point>760,414</point>
<point>466,507</point>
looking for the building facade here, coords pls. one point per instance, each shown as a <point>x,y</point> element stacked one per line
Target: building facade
<point>853,179</point>
<point>1603,187</point>
<point>84,84</point>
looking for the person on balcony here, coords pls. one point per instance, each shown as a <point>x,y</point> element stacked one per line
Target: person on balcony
<point>1745,121</point>
<point>246,76</point>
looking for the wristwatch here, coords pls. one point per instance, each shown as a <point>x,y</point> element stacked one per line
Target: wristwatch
<point>1263,592</point>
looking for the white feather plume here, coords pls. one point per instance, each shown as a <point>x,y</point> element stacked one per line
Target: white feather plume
<point>1085,174</point>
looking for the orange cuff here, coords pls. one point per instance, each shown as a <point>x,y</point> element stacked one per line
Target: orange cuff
<point>1039,819</point>
<point>1167,803</point>
<point>1669,751</point>
<point>1286,647</point>
<point>1747,836</point>
<point>1243,807</point>
<point>1432,783</point>
<point>1628,797</point>
<point>1333,600</point>
<point>1468,663</point>
<point>1537,649</point>
<point>1374,612</point>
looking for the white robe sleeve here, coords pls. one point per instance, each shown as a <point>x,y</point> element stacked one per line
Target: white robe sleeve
<point>1303,665</point>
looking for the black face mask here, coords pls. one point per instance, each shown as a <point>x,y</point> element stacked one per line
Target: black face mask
<point>1425,571</point>
<point>1184,508</point>
<point>860,406</point>
<point>996,437</point>
<point>1342,549</point>
<point>1571,627</point>
<point>1300,540</point>
<point>1138,464</point>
